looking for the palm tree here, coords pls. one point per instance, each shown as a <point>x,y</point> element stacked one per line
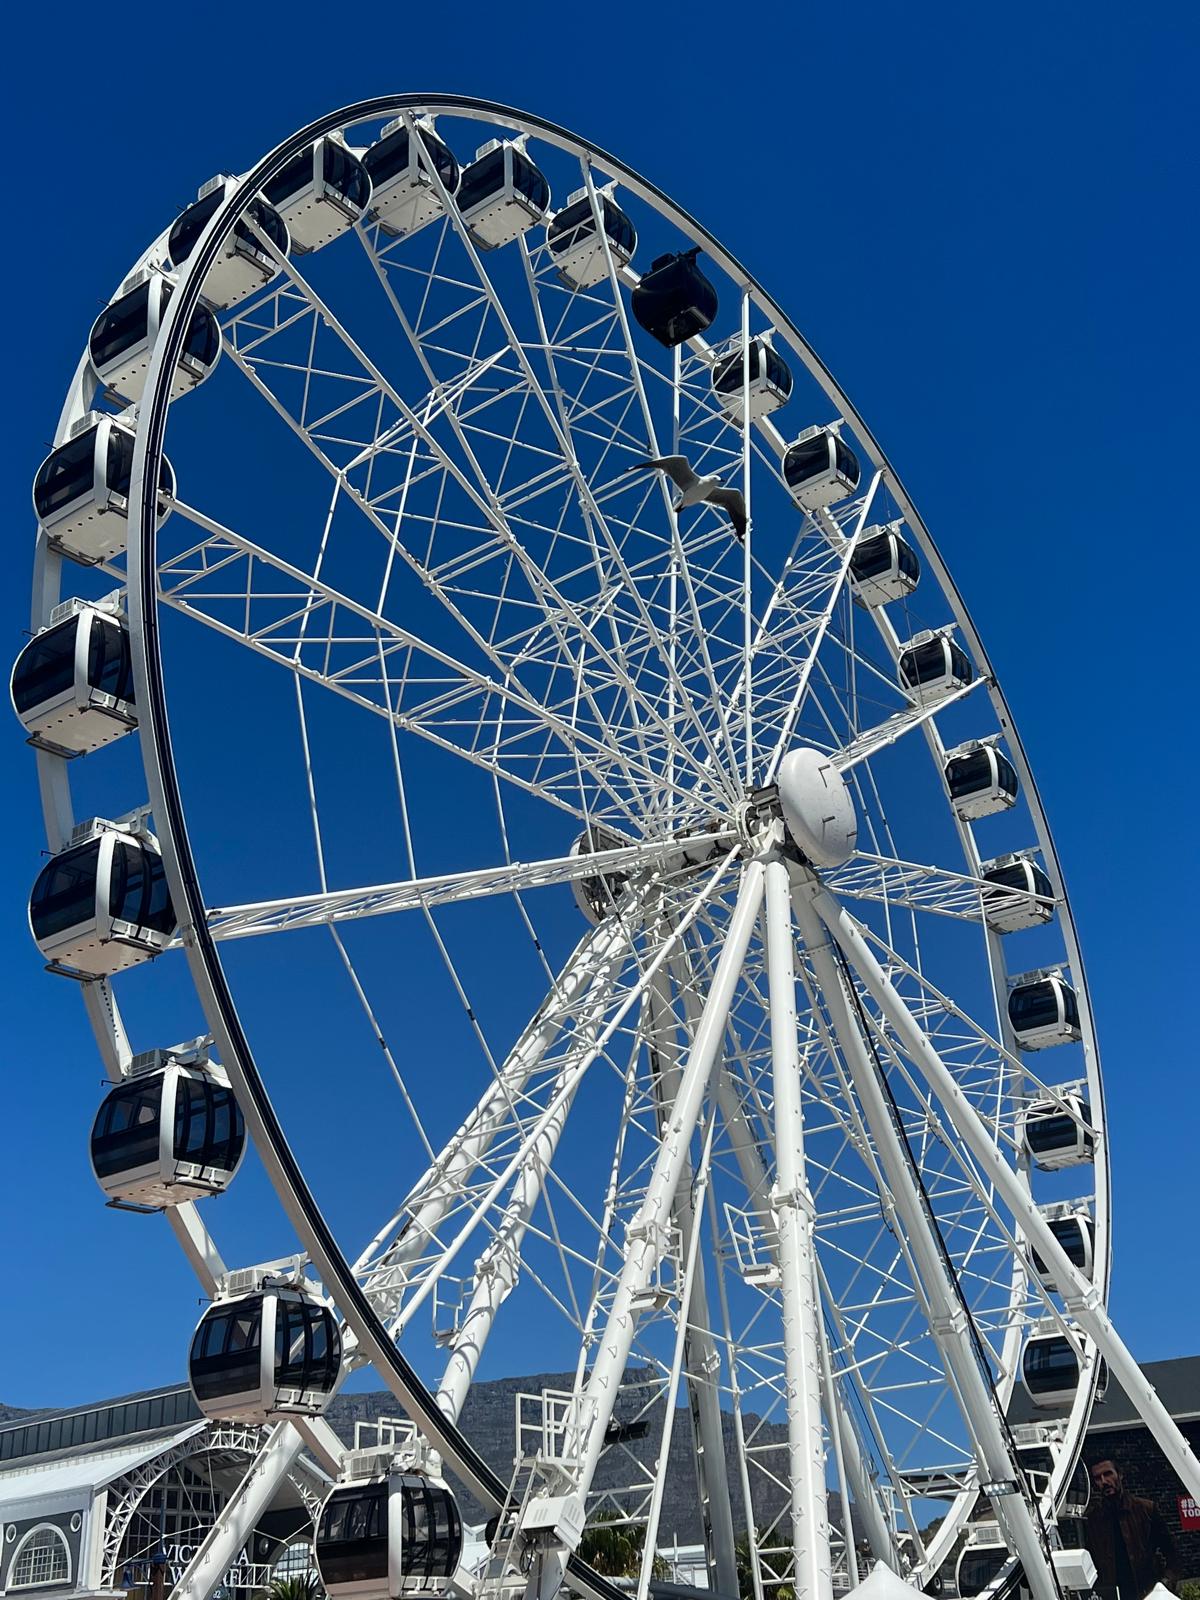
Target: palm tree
<point>295,1586</point>
<point>614,1548</point>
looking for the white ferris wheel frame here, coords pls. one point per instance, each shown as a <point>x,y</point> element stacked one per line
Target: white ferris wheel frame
<point>817,913</point>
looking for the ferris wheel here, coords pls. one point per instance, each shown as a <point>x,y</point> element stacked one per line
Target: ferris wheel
<point>577,826</point>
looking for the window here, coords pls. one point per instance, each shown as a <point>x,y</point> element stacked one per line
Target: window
<point>65,475</point>
<point>387,159</point>
<point>807,461</point>
<point>42,1559</point>
<point>123,326</point>
<point>295,176</point>
<point>846,462</point>
<point>110,667</point>
<point>65,893</point>
<point>483,180</point>
<point>125,1136</point>
<point>872,557</point>
<point>46,668</point>
<point>296,1560</point>
<point>203,340</point>
<point>971,774</point>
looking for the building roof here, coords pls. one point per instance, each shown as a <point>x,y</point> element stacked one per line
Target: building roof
<point>77,1429</point>
<point>1178,1385</point>
<point>1177,1382</point>
<point>34,1480</point>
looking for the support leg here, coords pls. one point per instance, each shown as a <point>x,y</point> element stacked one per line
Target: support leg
<point>793,1208</point>
<point>1082,1299</point>
<point>946,1316</point>
<point>646,1233</point>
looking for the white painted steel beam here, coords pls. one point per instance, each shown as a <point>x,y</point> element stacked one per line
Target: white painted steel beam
<point>945,1312</point>
<point>1082,1298</point>
<point>792,1204</point>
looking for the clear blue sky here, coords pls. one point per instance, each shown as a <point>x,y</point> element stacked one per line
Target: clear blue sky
<point>983,219</point>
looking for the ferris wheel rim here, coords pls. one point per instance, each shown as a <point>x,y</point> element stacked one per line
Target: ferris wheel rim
<point>152,427</point>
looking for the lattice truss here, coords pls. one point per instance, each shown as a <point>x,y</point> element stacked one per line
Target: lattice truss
<point>484,573</point>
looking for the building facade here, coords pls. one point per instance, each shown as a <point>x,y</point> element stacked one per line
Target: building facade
<point>114,1499</point>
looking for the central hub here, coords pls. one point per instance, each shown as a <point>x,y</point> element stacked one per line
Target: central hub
<point>817,807</point>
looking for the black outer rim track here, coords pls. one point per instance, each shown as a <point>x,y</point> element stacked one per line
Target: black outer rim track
<point>167,802</point>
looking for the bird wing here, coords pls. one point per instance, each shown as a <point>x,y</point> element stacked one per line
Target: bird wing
<point>677,468</point>
<point>734,502</point>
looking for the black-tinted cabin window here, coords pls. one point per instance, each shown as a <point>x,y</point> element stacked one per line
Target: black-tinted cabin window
<point>46,667</point>
<point>482,179</point>
<point>387,158</point>
<point>65,894</point>
<point>123,326</point>
<point>806,461</point>
<point>846,461</point>
<point>296,175</point>
<point>110,666</point>
<point>530,181</point>
<point>126,1134</point>
<point>66,475</point>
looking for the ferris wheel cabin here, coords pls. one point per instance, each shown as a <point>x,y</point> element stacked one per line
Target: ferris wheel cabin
<point>1074,1231</point>
<point>884,566</point>
<point>245,264</point>
<point>1058,1132</point>
<point>579,252</point>
<point>1043,1010</point>
<point>404,197</point>
<point>81,490</point>
<point>169,1132</point>
<point>122,340</point>
<point>981,1560</point>
<point>388,1536</point>
<point>674,301</point>
<point>820,468</point>
<point>933,665</point>
<point>1051,1369</point>
<point>261,1356</point>
<point>1019,895</point>
<point>320,193</point>
<point>502,193</point>
<point>72,685</point>
<point>101,905</point>
<point>981,780</point>
<point>770,380</point>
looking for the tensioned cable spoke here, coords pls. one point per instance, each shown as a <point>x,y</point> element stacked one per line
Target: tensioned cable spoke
<point>561,617</point>
<point>554,415</point>
<point>446,700</point>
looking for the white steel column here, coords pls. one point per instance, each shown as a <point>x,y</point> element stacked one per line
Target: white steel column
<point>1081,1298</point>
<point>749,1160</point>
<point>792,1204</point>
<point>701,1356</point>
<point>647,1233</point>
<point>240,1514</point>
<point>946,1315</point>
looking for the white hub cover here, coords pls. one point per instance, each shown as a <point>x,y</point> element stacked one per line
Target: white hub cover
<point>817,807</point>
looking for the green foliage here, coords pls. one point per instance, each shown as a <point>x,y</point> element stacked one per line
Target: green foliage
<point>296,1586</point>
<point>1189,1590</point>
<point>745,1567</point>
<point>614,1548</point>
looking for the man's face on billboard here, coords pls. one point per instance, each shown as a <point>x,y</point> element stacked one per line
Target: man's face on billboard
<point>1106,1480</point>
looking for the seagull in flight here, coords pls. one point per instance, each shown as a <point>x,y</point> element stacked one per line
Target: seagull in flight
<point>694,489</point>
